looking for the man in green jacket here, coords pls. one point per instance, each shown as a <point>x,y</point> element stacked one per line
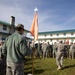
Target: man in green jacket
<point>14,49</point>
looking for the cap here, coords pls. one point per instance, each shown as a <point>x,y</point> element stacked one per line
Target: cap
<point>20,26</point>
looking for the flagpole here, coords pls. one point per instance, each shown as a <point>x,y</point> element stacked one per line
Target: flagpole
<point>33,60</point>
<point>33,49</point>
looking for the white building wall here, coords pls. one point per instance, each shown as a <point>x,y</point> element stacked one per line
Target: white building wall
<point>68,34</point>
<point>54,37</point>
<point>41,36</point>
<point>61,34</point>
<point>48,36</point>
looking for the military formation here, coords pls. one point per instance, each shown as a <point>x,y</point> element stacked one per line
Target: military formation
<point>58,50</point>
<point>47,50</point>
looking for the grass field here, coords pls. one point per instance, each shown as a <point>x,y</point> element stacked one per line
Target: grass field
<point>48,67</point>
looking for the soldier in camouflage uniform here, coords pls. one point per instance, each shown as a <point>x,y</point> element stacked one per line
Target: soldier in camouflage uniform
<point>44,49</point>
<point>59,55</point>
<point>54,49</point>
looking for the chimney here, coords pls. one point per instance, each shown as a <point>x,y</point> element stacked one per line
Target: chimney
<point>12,20</point>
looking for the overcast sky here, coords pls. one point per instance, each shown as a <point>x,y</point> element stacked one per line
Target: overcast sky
<point>52,14</point>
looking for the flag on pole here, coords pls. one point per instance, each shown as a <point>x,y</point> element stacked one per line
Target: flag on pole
<point>34,27</point>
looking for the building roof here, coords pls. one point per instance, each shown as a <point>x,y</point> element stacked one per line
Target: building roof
<point>4,32</point>
<point>57,32</point>
<point>5,23</point>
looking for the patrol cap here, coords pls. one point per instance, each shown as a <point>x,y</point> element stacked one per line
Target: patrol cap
<point>19,26</point>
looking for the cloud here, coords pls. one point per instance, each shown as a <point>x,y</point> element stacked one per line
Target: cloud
<point>24,15</point>
<point>49,26</point>
<point>8,10</point>
<point>49,16</point>
<point>69,22</point>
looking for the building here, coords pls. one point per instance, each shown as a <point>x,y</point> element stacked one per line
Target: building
<point>55,36</point>
<point>7,29</point>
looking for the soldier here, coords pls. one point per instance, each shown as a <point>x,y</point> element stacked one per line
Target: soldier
<point>48,50</point>
<point>71,50</point>
<point>14,49</point>
<point>2,60</point>
<point>54,49</point>
<point>59,55</point>
<point>0,49</point>
<point>44,48</point>
<point>39,53</point>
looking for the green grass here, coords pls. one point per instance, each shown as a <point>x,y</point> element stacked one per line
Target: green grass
<point>48,67</point>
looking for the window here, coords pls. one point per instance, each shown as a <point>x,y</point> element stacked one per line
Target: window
<point>51,40</point>
<point>72,33</point>
<point>57,34</point>
<point>64,34</point>
<point>45,35</point>
<point>50,34</point>
<point>4,27</point>
<point>45,40</point>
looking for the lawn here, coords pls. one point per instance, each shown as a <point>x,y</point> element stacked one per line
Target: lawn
<point>48,67</point>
